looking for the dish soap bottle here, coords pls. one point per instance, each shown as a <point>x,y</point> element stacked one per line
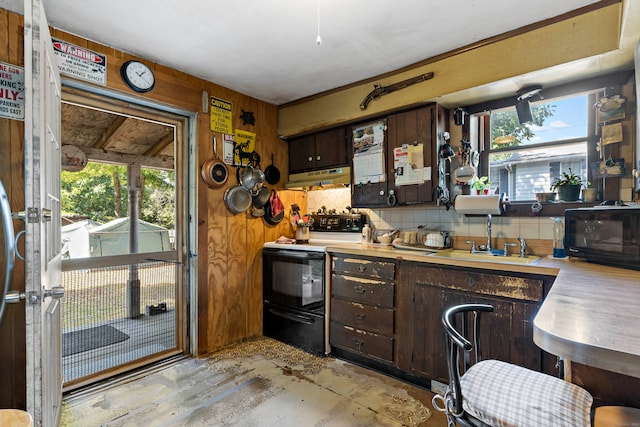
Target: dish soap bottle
<point>366,234</point>
<point>558,239</point>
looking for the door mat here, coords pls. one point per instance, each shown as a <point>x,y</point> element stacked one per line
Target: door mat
<point>91,338</point>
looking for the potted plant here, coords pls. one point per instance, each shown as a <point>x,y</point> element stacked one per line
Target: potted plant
<point>481,185</point>
<point>568,186</point>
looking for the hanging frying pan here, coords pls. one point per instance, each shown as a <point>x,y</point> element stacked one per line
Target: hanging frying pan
<point>214,172</point>
<point>237,199</point>
<point>271,173</point>
<point>270,218</point>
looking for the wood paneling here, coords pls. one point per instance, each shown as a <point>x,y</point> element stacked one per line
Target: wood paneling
<point>229,246</point>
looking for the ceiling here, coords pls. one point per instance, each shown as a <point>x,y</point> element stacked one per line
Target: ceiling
<point>268,49</point>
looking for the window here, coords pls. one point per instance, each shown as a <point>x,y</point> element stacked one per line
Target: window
<point>524,159</point>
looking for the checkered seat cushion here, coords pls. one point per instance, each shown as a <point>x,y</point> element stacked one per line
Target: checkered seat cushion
<point>506,395</point>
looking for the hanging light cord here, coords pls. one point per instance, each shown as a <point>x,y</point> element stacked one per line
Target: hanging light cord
<point>318,39</point>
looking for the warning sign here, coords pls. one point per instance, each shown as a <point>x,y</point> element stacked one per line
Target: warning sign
<point>11,91</point>
<point>80,63</point>
<point>221,115</point>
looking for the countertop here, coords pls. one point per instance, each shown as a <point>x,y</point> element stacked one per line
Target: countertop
<point>590,316</point>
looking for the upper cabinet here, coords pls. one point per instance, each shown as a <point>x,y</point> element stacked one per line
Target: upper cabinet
<point>321,150</point>
<point>409,161</point>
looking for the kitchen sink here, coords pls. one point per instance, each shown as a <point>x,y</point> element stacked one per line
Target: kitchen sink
<point>466,255</point>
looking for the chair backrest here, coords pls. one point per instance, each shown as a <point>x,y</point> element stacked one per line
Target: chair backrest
<point>462,325</point>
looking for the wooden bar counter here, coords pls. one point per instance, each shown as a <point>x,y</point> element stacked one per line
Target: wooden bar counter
<point>592,316</point>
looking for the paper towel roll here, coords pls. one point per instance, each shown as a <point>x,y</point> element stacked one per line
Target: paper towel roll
<point>479,205</point>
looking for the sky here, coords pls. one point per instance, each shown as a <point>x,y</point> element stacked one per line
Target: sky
<point>568,121</point>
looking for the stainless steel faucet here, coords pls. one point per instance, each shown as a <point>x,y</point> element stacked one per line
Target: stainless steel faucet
<point>523,247</point>
<point>488,245</point>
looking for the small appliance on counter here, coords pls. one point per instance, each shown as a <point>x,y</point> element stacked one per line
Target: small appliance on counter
<point>604,234</point>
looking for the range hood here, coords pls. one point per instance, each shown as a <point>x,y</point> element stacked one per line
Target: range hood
<point>320,179</point>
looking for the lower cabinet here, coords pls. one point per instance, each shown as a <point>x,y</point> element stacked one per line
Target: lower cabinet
<point>425,292</point>
<point>389,313</point>
<point>362,307</point>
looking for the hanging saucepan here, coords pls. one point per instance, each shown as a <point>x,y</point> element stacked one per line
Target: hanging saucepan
<point>272,173</point>
<point>214,172</point>
<point>251,179</point>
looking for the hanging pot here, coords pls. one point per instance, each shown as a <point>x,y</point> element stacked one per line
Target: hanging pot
<point>272,173</point>
<point>251,179</point>
<point>274,202</point>
<point>213,171</point>
<point>262,198</point>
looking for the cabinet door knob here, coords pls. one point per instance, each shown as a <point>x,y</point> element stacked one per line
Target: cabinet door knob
<point>358,342</point>
<point>318,157</point>
<point>361,315</point>
<point>310,159</point>
<point>361,268</point>
<point>359,289</point>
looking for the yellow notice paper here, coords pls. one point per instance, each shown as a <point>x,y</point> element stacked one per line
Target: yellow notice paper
<point>220,115</point>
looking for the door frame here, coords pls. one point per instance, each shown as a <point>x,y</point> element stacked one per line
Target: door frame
<point>185,167</point>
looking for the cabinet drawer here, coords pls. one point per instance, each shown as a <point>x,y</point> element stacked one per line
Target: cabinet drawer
<point>521,288</point>
<point>362,316</point>
<point>373,292</point>
<point>359,341</point>
<point>365,267</point>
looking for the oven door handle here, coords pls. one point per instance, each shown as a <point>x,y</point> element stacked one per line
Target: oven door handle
<point>300,254</point>
<point>294,317</point>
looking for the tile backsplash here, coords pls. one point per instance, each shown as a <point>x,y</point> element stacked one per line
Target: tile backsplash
<point>435,218</point>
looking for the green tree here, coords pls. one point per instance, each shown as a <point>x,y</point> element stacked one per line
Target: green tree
<point>506,123</point>
<point>92,192</point>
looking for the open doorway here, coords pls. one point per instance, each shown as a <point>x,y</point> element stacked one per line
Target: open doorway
<point>125,238</point>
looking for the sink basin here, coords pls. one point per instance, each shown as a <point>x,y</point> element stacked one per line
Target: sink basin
<point>466,255</point>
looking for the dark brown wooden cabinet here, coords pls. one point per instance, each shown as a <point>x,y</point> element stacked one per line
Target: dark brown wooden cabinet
<point>425,292</point>
<point>320,150</point>
<point>417,126</point>
<point>362,307</point>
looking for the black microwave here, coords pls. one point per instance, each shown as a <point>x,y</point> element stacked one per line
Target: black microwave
<point>604,234</point>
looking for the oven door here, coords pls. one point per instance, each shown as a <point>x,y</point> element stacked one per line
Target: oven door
<point>294,279</point>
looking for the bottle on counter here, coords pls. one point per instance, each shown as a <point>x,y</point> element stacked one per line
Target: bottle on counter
<point>558,239</point>
<point>366,234</point>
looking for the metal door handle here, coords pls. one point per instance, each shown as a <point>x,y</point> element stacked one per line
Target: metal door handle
<point>46,215</point>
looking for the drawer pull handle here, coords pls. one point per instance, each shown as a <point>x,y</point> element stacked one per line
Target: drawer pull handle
<point>470,282</point>
<point>361,315</point>
<point>358,343</point>
<point>361,268</point>
<point>359,289</point>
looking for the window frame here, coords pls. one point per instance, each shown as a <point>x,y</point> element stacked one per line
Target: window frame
<point>609,83</point>
<point>591,139</point>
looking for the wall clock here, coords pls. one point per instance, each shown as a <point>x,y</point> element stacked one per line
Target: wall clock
<point>137,76</point>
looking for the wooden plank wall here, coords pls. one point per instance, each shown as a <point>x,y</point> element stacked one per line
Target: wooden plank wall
<point>229,246</point>
<point>12,329</point>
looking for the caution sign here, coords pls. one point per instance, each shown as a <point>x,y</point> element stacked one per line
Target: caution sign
<point>80,63</point>
<point>11,91</point>
<point>221,115</point>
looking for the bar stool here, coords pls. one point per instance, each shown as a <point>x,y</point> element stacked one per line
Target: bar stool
<point>496,393</point>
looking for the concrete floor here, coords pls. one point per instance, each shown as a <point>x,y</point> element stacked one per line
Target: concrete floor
<point>258,383</point>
